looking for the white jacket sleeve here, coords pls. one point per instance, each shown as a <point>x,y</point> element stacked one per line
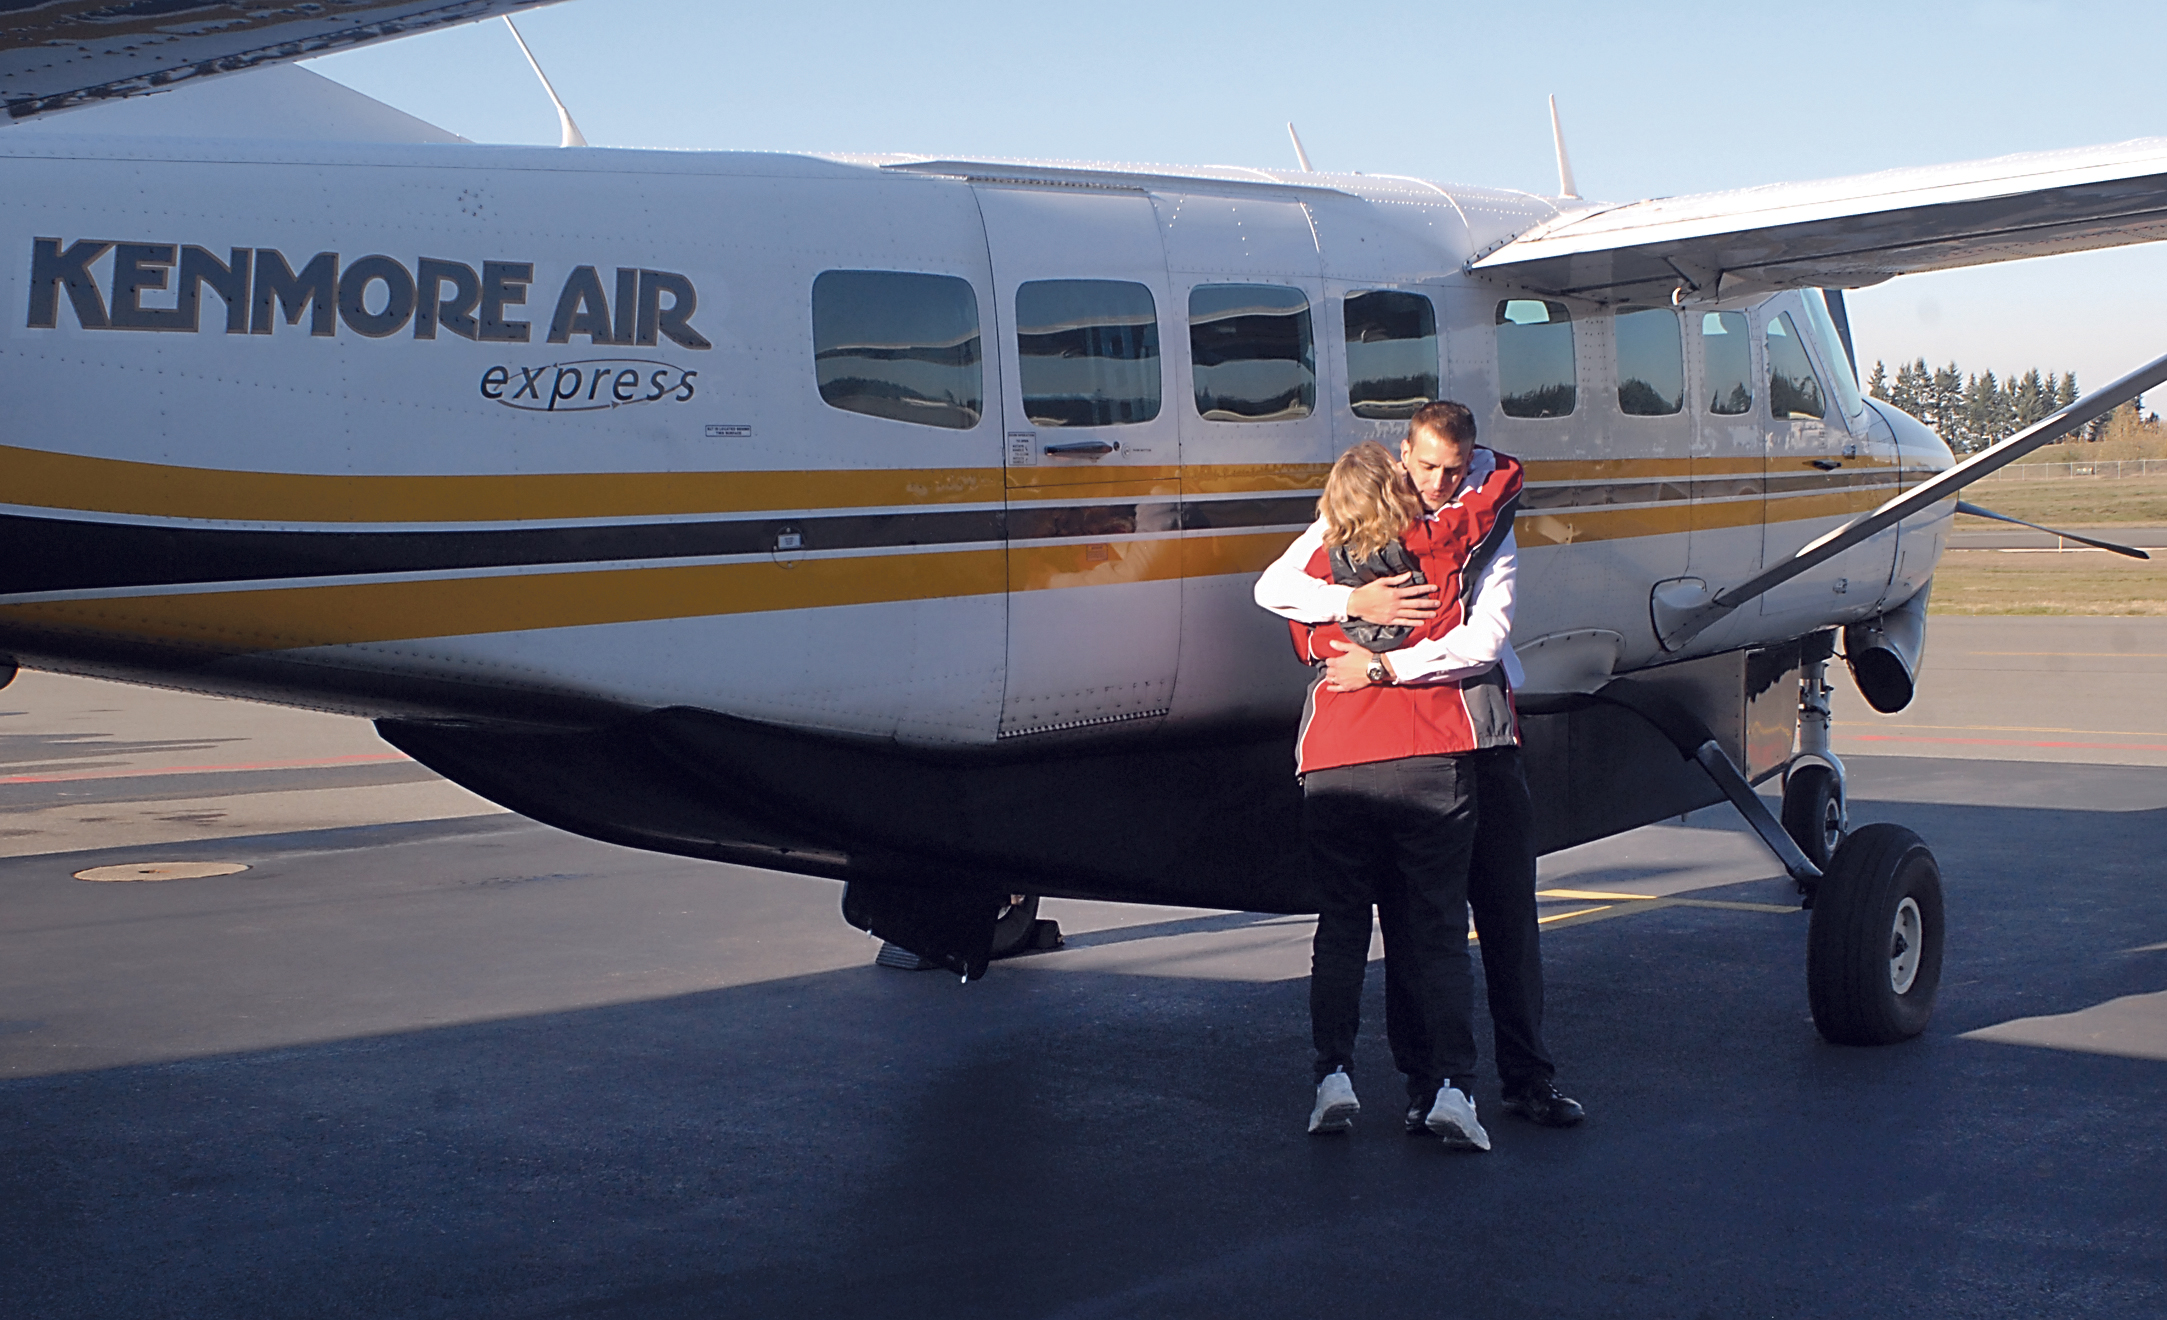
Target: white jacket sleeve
<point>1482,639</point>
<point>1287,589</point>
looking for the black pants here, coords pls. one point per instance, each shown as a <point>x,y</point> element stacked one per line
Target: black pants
<point>1422,839</point>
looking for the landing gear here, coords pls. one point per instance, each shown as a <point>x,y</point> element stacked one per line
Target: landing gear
<point>1814,807</point>
<point>1017,930</point>
<point>1813,811</point>
<point>1873,951</point>
<point>1873,955</point>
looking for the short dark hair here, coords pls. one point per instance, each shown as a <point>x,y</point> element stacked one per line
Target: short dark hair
<point>1448,419</point>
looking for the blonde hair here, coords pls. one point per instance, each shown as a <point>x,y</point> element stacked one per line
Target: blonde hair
<point>1368,501</point>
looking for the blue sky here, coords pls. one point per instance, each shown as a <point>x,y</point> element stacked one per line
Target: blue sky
<point>1657,98</point>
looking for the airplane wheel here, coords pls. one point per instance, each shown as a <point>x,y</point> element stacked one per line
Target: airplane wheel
<point>1813,811</point>
<point>1873,955</point>
<point>1012,931</point>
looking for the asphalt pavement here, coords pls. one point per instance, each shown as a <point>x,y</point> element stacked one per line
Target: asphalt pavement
<point>425,1059</point>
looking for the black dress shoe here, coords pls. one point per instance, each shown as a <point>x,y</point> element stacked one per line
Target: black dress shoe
<point>1542,1104</point>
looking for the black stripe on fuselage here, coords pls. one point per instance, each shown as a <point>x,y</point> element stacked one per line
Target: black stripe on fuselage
<point>1594,494</point>
<point>66,554</point>
<point>72,554</point>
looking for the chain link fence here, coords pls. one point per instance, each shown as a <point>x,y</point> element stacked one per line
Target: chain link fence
<point>2109,469</point>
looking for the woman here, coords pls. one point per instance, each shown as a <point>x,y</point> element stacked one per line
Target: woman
<point>1389,805</point>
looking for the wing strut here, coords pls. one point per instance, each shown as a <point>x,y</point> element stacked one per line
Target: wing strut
<point>1695,743</point>
<point>1677,625</point>
<point>1966,506</point>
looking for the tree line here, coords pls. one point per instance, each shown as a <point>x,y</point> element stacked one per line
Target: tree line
<point>1971,412</point>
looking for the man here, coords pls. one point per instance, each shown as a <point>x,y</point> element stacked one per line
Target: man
<point>1428,835</point>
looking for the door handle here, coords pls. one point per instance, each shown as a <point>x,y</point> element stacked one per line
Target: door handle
<point>1083,449</point>
<point>1825,464</point>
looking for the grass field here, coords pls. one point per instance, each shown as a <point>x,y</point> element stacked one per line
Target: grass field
<point>2075,582</point>
<point>2074,502</point>
<point>2130,442</point>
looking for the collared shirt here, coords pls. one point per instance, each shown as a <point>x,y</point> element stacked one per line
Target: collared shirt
<point>1483,638</point>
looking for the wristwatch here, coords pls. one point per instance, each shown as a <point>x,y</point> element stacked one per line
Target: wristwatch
<point>1377,673</point>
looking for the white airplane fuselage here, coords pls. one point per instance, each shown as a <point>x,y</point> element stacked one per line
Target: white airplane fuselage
<point>333,475</point>
<point>490,442</point>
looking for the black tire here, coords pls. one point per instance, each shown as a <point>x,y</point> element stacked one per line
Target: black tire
<point>1873,955</point>
<point>1012,932</point>
<point>1813,812</point>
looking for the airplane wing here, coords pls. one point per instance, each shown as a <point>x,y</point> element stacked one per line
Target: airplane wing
<point>55,54</point>
<point>1845,233</point>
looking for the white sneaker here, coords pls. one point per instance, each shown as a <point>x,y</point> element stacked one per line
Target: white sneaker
<point>1336,1105</point>
<point>1453,1118</point>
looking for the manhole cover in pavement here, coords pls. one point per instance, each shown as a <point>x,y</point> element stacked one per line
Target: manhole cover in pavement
<point>161,871</point>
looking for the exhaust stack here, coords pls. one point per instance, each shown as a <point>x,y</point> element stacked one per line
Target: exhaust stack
<point>1886,652</point>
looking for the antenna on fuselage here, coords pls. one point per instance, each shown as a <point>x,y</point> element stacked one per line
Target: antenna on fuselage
<point>1566,187</point>
<point>1300,154</point>
<point>570,134</point>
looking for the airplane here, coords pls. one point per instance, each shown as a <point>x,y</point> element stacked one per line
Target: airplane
<point>893,520</point>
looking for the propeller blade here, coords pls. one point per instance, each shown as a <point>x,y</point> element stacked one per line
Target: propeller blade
<point>1966,506</point>
<point>1684,625</point>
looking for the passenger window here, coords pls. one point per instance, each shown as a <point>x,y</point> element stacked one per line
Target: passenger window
<point>897,345</point>
<point>1728,357</point>
<point>1089,351</point>
<point>1254,360</point>
<point>1839,362</point>
<point>1651,363</point>
<point>1793,390</point>
<point>1391,353</point>
<point>1535,376</point>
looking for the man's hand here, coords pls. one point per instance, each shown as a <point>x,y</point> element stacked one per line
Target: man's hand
<point>1349,671</point>
<point>1392,602</point>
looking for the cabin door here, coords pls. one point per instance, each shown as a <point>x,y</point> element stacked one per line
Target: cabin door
<point>1825,464</point>
<point>1093,459</point>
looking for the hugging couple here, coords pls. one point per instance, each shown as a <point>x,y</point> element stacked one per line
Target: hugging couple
<point>1414,804</point>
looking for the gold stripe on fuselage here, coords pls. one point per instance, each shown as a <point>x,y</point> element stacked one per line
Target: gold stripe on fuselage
<point>233,620</point>
<point>37,478</point>
<point>286,618</point>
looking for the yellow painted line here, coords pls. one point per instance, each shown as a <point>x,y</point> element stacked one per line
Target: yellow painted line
<point>1595,895</point>
<point>1565,916</point>
<point>1610,912</point>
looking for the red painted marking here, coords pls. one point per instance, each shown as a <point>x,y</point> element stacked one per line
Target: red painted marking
<point>2010,742</point>
<point>364,758</point>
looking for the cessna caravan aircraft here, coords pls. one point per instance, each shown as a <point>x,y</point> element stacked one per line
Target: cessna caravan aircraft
<point>894,520</point>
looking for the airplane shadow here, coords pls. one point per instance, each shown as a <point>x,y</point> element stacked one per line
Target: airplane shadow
<point>1084,1143</point>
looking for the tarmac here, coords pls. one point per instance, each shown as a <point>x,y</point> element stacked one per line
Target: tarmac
<point>423,1058</point>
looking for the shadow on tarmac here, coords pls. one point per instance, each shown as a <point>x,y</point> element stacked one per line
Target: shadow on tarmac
<point>1060,1142</point>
